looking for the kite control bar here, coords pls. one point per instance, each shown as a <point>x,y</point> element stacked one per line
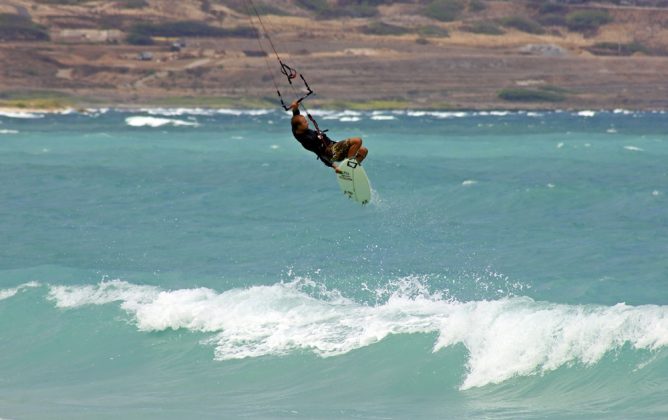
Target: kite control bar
<point>290,74</point>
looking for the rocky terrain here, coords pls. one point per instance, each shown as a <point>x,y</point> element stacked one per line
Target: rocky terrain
<point>480,54</point>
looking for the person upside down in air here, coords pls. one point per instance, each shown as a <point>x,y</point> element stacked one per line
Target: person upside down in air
<point>326,149</point>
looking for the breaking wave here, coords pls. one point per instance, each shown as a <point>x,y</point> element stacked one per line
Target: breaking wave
<point>504,338</point>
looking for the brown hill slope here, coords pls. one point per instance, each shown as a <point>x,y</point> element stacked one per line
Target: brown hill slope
<point>494,54</point>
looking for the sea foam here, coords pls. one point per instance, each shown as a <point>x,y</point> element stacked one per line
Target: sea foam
<point>7,293</point>
<point>138,121</point>
<point>20,114</point>
<point>509,337</point>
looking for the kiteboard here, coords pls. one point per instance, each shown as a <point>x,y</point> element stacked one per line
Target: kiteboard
<point>353,181</point>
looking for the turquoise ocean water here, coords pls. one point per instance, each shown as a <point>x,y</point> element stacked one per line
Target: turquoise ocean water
<point>200,264</point>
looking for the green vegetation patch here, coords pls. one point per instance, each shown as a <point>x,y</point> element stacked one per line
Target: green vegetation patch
<point>33,94</point>
<point>36,103</point>
<point>262,8</point>
<point>190,28</point>
<point>367,105</point>
<point>432,31</point>
<point>37,99</point>
<point>614,48</point>
<point>382,28</point>
<point>484,27</point>
<point>21,28</point>
<point>444,10</point>
<point>477,5</point>
<point>548,94</point>
<point>587,21</point>
<point>139,39</point>
<point>550,13</point>
<point>64,2</point>
<point>552,19</point>
<point>213,102</point>
<point>523,24</point>
<point>133,4</point>
<point>313,5</point>
<point>341,8</point>
<point>546,8</point>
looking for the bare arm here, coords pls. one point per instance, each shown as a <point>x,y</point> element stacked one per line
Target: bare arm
<point>299,123</point>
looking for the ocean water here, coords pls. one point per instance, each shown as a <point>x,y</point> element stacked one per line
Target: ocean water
<point>170,263</point>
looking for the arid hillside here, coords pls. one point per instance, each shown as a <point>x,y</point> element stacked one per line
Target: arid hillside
<point>378,54</point>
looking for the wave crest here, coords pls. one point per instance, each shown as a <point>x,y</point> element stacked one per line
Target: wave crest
<point>509,337</point>
<point>7,293</point>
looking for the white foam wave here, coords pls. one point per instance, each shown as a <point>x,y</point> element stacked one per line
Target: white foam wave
<point>9,131</point>
<point>464,114</point>
<point>450,114</point>
<point>138,121</point>
<point>7,293</point>
<point>498,113</point>
<point>505,338</point>
<point>94,112</point>
<point>175,112</point>
<point>337,115</point>
<point>622,111</point>
<point>20,114</point>
<point>383,117</point>
<point>586,114</point>
<point>634,148</point>
<point>198,111</point>
<point>105,292</point>
<point>416,113</point>
<point>250,112</point>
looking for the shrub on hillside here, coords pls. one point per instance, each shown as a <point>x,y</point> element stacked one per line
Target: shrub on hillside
<point>552,19</point>
<point>587,20</point>
<point>381,28</point>
<point>342,8</point>
<point>63,2</point>
<point>444,10</point>
<point>133,4</point>
<point>139,39</point>
<point>552,8</point>
<point>313,5</point>
<point>614,48</point>
<point>21,28</point>
<point>262,8</point>
<point>477,5</point>
<point>433,31</point>
<point>484,27</point>
<point>190,28</point>
<point>362,10</point>
<point>524,25</point>
<point>531,95</point>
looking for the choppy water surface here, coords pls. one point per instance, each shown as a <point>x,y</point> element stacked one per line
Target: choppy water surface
<point>193,263</point>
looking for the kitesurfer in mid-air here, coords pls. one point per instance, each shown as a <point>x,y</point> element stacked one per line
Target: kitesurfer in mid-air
<point>326,149</point>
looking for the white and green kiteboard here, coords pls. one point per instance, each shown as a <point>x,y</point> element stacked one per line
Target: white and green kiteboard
<point>353,181</point>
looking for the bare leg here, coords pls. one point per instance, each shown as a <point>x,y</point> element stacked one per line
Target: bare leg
<point>356,150</point>
<point>361,154</point>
